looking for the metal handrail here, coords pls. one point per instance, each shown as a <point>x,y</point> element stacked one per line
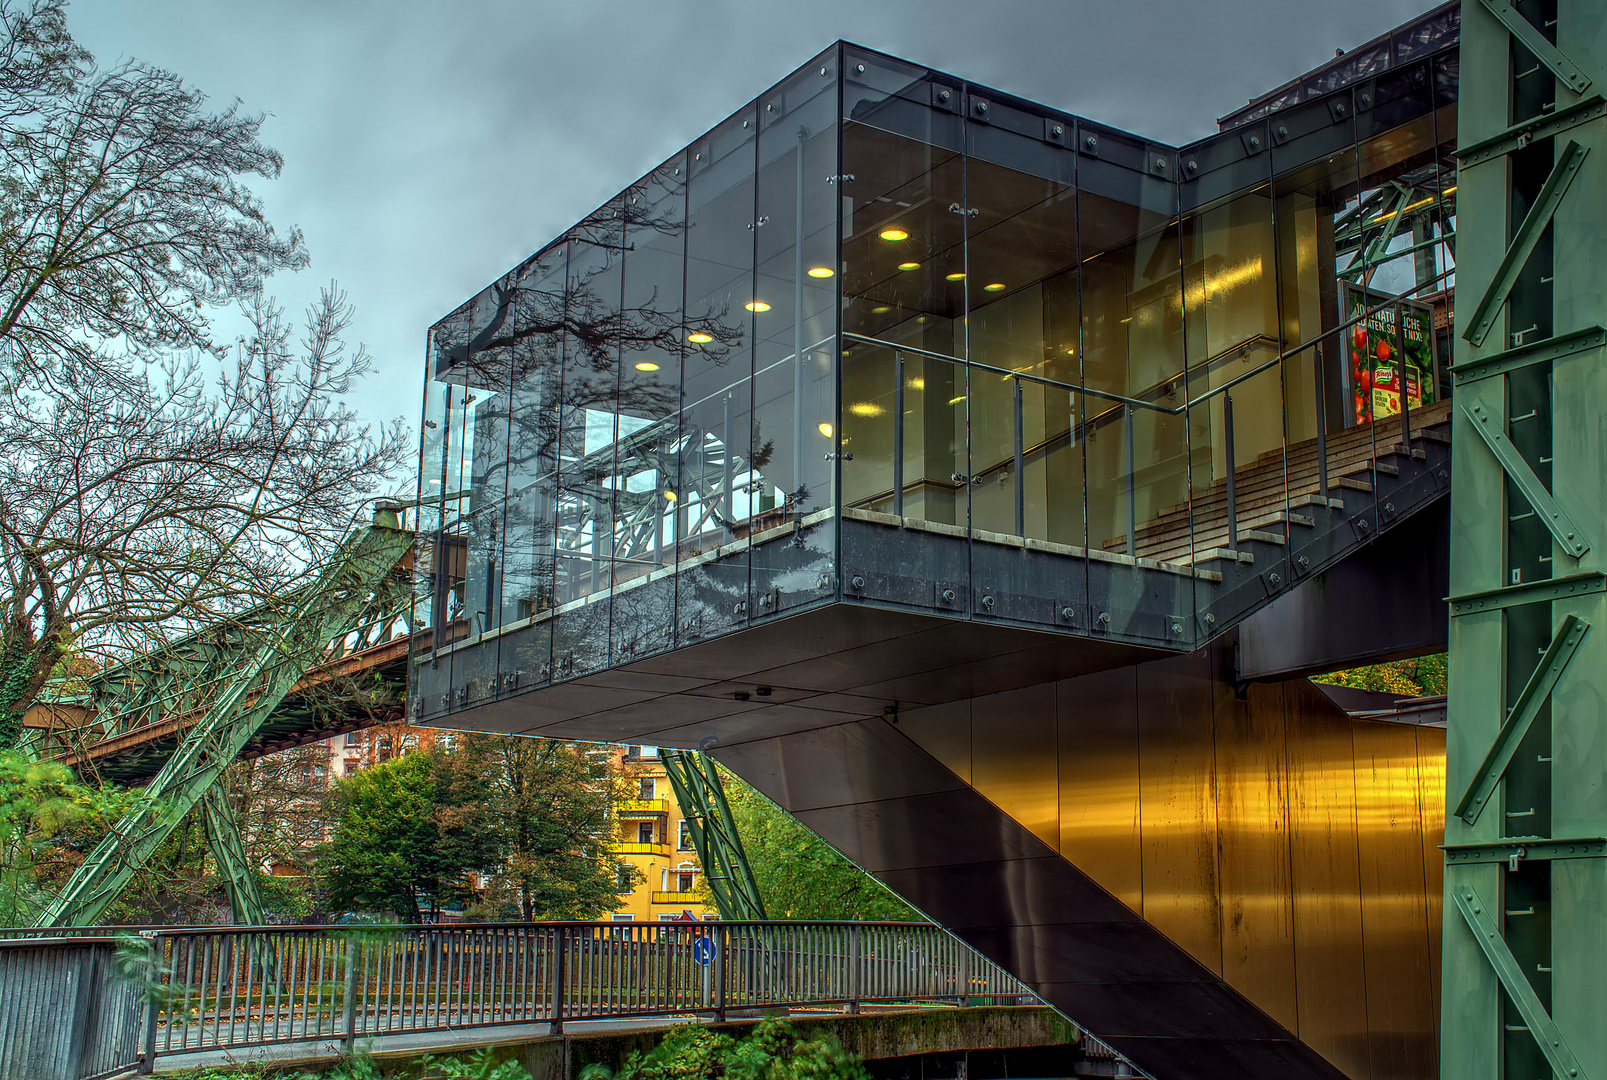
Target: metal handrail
<point>225,987</point>
<point>1176,410</point>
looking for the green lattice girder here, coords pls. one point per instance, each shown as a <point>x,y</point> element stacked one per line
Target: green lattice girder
<point>250,675</point>
<point>701,797</point>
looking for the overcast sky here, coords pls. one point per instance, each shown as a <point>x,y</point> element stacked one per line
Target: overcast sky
<point>431,145</point>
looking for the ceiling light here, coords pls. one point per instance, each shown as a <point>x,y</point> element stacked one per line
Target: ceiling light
<point>956,401</point>
<point>906,266</point>
<point>647,365</point>
<point>822,272</point>
<point>918,383</point>
<point>883,310</point>
<point>865,408</point>
<point>825,429</point>
<point>670,496</point>
<point>997,286</point>
<point>956,276</point>
<point>1071,352</point>
<point>894,235</point>
<point>699,337</point>
<point>757,305</point>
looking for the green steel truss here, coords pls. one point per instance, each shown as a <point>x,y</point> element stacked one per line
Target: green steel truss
<point>701,797</point>
<point>217,686</point>
<point>1525,913</point>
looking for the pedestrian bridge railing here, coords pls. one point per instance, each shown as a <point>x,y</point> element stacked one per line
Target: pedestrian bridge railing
<point>217,988</point>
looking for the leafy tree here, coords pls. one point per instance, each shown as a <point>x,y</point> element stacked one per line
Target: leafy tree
<point>1420,677</point>
<point>773,1051</point>
<point>406,834</point>
<point>799,875</point>
<point>553,806</point>
<point>42,809</point>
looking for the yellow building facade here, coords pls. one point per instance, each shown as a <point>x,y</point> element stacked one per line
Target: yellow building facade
<point>656,841</point>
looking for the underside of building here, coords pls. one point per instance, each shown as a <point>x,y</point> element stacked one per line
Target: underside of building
<point>982,484</point>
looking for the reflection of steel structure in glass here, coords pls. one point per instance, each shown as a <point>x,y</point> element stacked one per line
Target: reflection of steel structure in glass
<point>1039,541</point>
<point>1367,229</point>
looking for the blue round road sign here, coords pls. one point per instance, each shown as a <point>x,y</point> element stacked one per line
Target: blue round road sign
<point>703,950</point>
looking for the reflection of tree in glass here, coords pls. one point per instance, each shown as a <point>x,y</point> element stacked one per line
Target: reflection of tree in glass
<point>595,463</point>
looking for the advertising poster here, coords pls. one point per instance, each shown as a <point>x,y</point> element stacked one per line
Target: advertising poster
<point>1387,360</point>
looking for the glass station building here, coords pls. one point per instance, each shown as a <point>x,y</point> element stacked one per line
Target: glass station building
<point>888,341</point>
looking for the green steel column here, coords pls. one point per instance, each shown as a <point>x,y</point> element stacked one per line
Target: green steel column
<point>701,797</point>
<point>1525,916</point>
<point>229,853</point>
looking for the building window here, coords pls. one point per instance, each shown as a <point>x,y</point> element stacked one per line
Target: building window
<point>622,880</point>
<point>669,918</point>
<point>624,918</point>
<point>684,841</point>
<point>646,788</point>
<point>683,881</point>
<point>644,833</point>
<point>353,738</point>
<point>633,753</point>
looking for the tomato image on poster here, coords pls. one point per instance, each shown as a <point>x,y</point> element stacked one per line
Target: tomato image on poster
<point>1386,359</point>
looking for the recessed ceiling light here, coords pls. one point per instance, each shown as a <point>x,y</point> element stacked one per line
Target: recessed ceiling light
<point>882,310</point>
<point>699,337</point>
<point>757,305</point>
<point>997,286</point>
<point>866,408</point>
<point>894,235</point>
<point>956,401</point>
<point>646,365</point>
<point>825,429</point>
<point>822,272</point>
<point>956,276</point>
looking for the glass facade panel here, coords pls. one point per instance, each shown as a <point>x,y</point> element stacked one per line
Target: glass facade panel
<point>712,495</point>
<point>653,343</point>
<point>887,337</point>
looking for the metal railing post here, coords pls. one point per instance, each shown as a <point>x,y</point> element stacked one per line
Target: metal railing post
<point>1322,423</point>
<point>720,971</point>
<point>856,985</point>
<point>1020,481</point>
<point>898,434</point>
<point>153,983</point>
<point>1400,382</point>
<point>560,962</point>
<point>348,1016</point>
<point>1127,454</point>
<point>1233,512</point>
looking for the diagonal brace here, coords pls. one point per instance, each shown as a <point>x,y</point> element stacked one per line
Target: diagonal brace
<point>1510,972</point>
<point>229,852</point>
<point>1543,50</point>
<point>1560,524</point>
<point>1524,240</point>
<point>1527,707</point>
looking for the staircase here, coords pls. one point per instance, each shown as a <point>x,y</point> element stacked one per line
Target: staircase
<point>1272,517</point>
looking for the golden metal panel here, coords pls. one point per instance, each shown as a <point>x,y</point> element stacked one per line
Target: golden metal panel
<point>1330,985</point>
<point>1252,812</point>
<point>1014,757</point>
<point>1099,781</point>
<point>1431,803</point>
<point>1177,806</point>
<point>1389,830</point>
